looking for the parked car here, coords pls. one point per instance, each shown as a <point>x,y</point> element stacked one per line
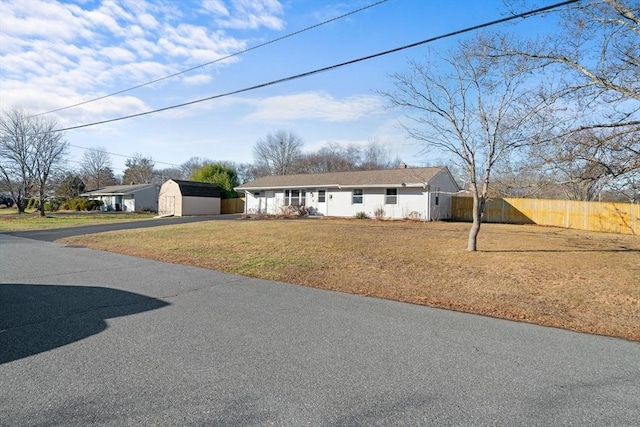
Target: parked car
<point>6,200</point>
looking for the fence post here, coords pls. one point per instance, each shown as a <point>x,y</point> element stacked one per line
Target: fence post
<point>585,216</point>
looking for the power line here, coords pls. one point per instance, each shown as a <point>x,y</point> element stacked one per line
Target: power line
<point>119,155</point>
<point>329,68</point>
<point>216,60</point>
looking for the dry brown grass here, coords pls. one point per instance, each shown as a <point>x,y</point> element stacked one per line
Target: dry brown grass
<point>10,220</point>
<point>570,279</point>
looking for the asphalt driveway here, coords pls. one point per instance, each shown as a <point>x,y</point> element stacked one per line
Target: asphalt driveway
<point>94,338</point>
<point>58,233</point>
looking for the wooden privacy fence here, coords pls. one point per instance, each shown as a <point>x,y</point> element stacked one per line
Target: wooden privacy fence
<point>622,218</point>
<point>231,206</point>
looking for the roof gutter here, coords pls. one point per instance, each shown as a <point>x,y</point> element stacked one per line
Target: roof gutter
<point>338,186</point>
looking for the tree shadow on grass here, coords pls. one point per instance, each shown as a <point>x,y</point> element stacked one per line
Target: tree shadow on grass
<point>38,318</point>
<point>558,250</point>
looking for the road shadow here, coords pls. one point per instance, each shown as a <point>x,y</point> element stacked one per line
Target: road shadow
<point>38,318</point>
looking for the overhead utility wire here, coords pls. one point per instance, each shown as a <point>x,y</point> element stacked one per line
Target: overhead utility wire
<point>216,60</point>
<point>119,155</point>
<point>329,68</point>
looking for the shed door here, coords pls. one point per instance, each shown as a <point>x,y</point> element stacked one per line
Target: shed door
<point>167,205</point>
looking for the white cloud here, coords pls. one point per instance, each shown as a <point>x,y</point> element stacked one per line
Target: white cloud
<point>198,44</point>
<point>314,105</point>
<point>148,21</point>
<point>216,7</point>
<point>56,54</point>
<point>118,54</point>
<point>249,14</point>
<point>33,98</point>
<point>37,19</point>
<point>198,79</point>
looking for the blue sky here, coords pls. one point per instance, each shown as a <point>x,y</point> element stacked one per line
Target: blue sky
<point>55,54</point>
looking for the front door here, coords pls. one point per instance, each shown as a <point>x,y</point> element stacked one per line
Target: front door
<point>322,202</point>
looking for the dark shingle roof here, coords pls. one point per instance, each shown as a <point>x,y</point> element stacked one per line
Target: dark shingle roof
<point>383,178</point>
<point>197,189</point>
<point>117,190</point>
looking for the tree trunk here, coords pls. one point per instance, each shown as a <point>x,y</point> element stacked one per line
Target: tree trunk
<point>41,207</point>
<point>20,203</point>
<point>478,207</point>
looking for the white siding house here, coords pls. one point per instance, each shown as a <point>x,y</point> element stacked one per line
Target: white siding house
<point>186,198</point>
<point>419,193</point>
<point>129,198</point>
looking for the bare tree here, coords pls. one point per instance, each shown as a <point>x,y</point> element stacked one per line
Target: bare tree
<point>96,168</point>
<point>592,74</point>
<point>30,151</point>
<point>277,153</point>
<point>245,172</point>
<point>139,170</point>
<point>470,108</point>
<point>16,160</point>
<point>376,156</point>
<point>333,157</point>
<point>161,175</point>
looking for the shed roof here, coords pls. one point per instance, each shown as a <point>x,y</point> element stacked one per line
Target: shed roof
<point>197,189</point>
<point>117,190</point>
<point>400,177</point>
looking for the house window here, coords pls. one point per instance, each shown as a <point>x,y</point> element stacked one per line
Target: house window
<point>295,197</point>
<point>356,197</point>
<point>437,200</point>
<point>256,194</point>
<point>322,194</point>
<point>391,197</point>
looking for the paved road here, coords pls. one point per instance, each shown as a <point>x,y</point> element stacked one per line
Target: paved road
<point>59,233</point>
<point>93,338</point>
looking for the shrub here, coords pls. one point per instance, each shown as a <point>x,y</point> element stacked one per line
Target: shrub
<point>295,210</point>
<point>72,205</point>
<point>379,213</point>
<point>93,205</point>
<point>361,215</point>
<point>413,215</point>
<point>80,204</point>
<point>32,203</point>
<point>53,205</point>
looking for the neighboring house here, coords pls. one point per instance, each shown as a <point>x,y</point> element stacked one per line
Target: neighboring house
<point>129,198</point>
<point>185,198</point>
<point>419,193</point>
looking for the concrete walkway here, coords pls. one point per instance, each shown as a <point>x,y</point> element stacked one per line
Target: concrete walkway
<point>94,338</point>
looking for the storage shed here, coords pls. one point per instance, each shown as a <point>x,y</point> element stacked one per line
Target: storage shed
<point>186,198</point>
